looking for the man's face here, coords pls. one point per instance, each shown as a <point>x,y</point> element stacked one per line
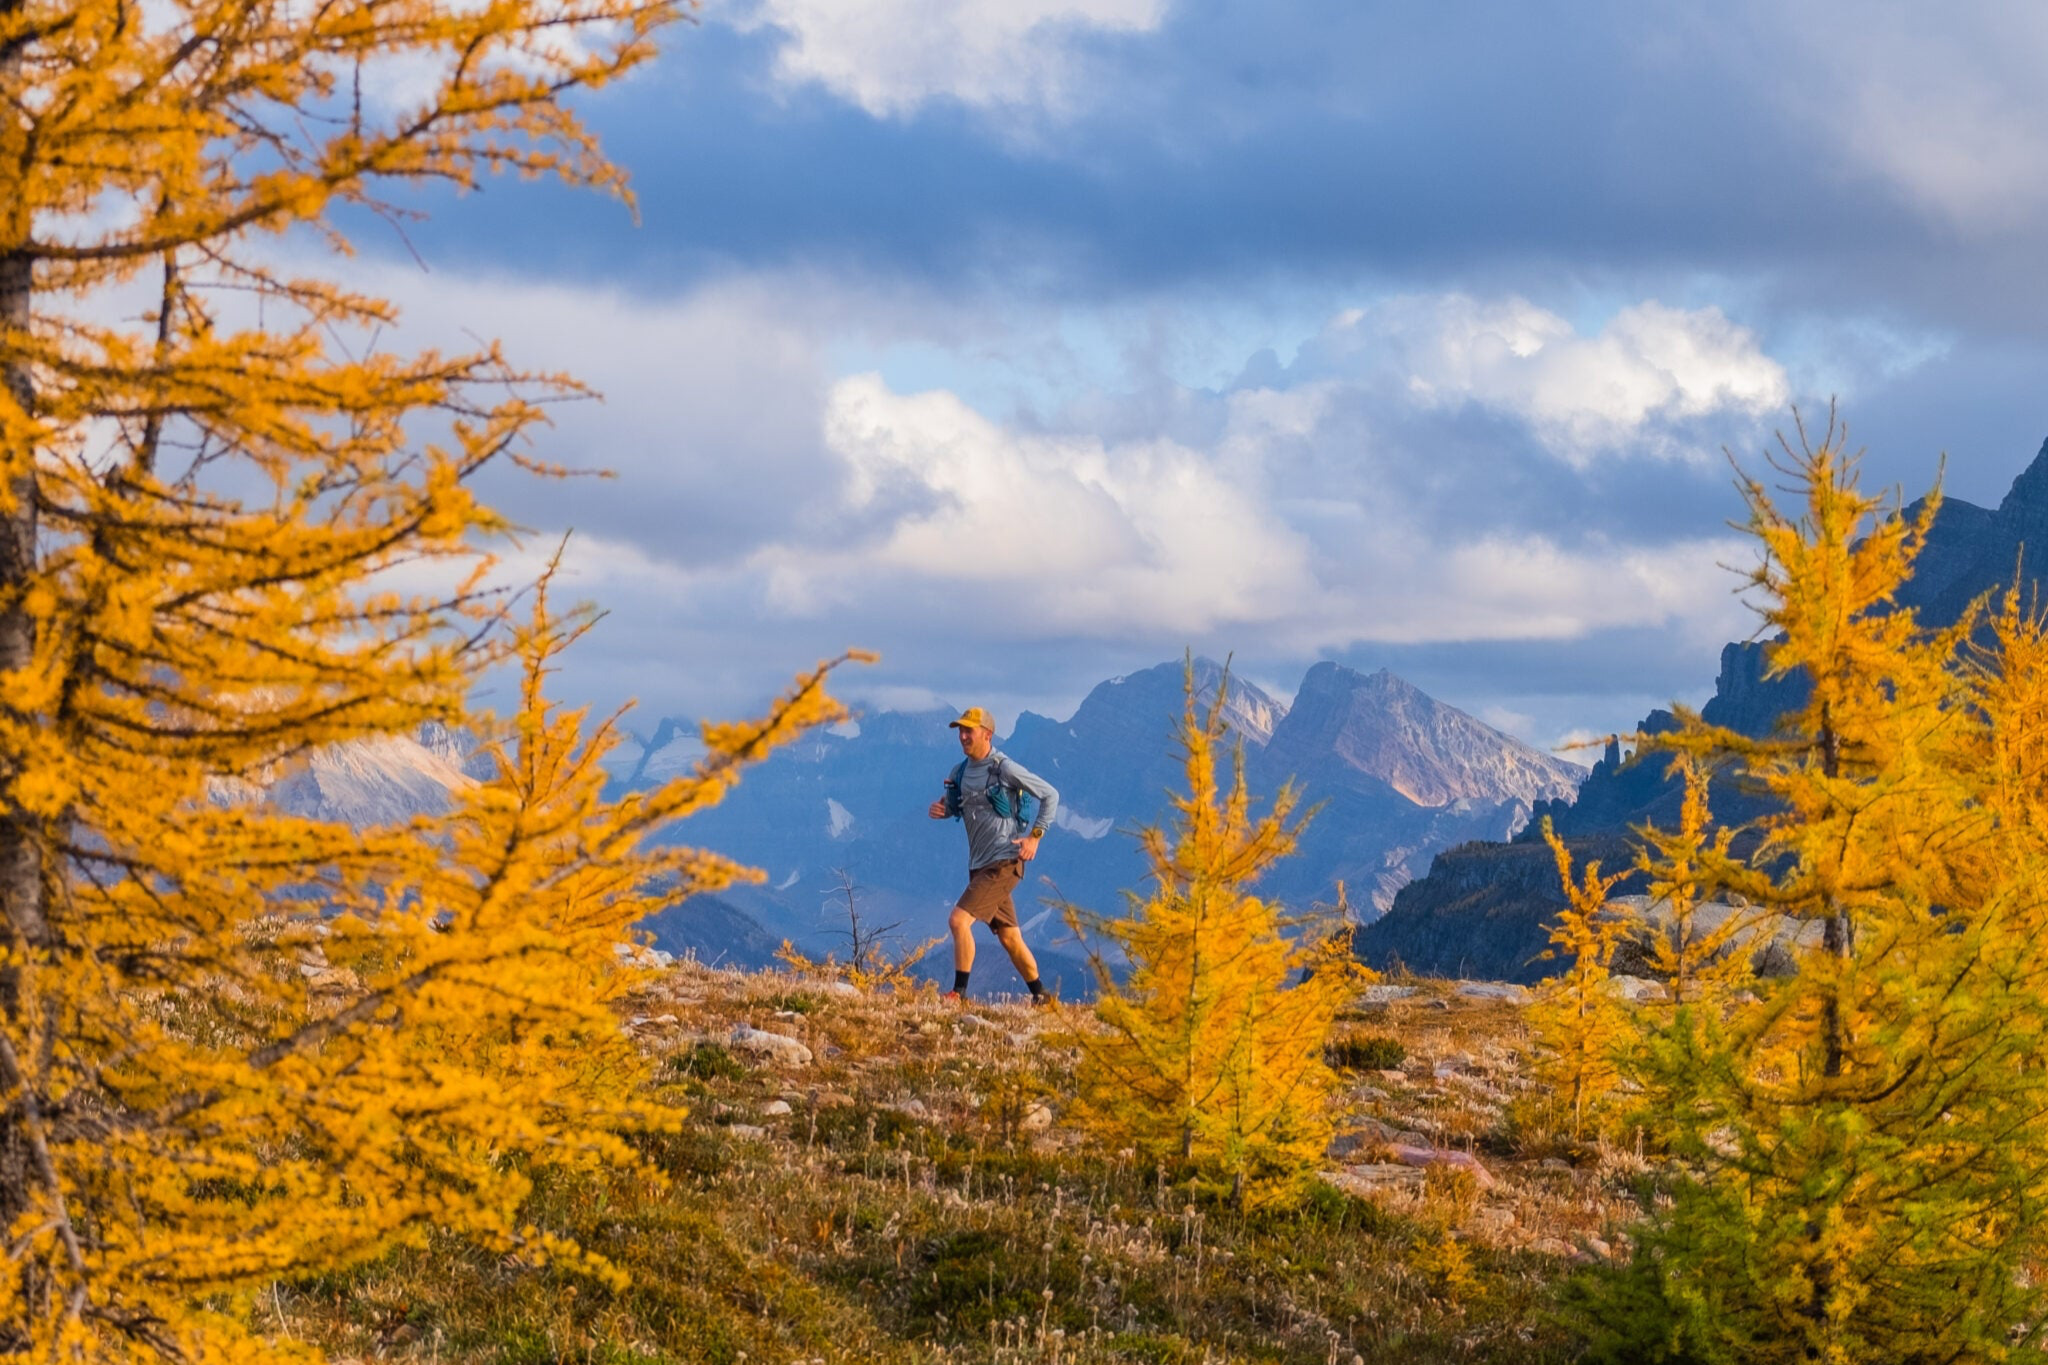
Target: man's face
<point>976,740</point>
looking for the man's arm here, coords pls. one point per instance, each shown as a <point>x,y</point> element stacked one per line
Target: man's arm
<point>1048,803</point>
<point>945,805</point>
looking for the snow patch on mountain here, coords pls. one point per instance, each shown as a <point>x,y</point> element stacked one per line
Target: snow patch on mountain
<point>679,756</point>
<point>622,761</point>
<point>838,818</point>
<point>1071,820</point>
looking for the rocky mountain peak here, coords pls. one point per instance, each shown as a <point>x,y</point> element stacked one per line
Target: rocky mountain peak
<point>2026,502</point>
<point>377,780</point>
<point>913,729</point>
<point>1381,686</point>
<point>1129,707</point>
<point>1384,727</point>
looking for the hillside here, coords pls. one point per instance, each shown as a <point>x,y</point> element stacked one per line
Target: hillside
<point>911,1193</point>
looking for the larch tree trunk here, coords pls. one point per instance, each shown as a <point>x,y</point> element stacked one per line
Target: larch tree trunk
<point>26,925</point>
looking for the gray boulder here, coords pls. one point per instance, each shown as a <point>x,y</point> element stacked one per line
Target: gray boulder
<point>775,1047</point>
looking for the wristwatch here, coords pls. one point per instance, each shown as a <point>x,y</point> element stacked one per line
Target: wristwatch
<point>1039,832</point>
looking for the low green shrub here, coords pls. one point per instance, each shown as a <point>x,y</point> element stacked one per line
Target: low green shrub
<point>706,1062</point>
<point>1366,1052</point>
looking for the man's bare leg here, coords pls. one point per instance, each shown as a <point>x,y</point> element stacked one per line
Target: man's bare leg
<point>1013,943</point>
<point>962,926</point>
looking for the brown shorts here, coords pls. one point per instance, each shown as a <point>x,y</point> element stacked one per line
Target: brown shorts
<point>987,896</point>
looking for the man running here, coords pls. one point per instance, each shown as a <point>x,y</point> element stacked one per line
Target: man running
<point>985,793</point>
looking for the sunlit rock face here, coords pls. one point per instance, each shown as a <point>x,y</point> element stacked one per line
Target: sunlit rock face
<point>386,780</point>
<point>1375,725</point>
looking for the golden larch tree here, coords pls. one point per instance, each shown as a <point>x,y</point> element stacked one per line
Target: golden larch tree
<point>1702,962</point>
<point>1580,1026</point>
<point>1864,1157</point>
<point>1210,1060</point>
<point>217,487</point>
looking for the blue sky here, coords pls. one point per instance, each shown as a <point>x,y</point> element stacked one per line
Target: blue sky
<point>1032,341</point>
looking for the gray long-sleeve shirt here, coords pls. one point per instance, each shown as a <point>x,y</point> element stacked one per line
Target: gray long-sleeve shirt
<point>990,837</point>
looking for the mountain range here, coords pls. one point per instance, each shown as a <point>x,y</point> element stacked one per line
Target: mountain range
<point>1395,774</point>
<point>1482,908</point>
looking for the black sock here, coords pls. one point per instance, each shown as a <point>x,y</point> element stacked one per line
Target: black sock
<point>960,981</point>
<point>1035,986</point>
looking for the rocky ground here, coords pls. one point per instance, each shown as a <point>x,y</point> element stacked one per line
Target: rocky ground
<point>892,1178</point>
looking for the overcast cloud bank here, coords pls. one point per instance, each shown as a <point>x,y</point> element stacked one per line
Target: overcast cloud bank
<point>1032,343</point>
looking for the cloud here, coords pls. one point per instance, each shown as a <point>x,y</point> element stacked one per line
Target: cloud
<point>890,57</point>
<point>770,510</point>
<point>1621,391</point>
<point>708,401</point>
<point>1951,113</point>
<point>1296,525</point>
<point>1765,157</point>
<point>1059,534</point>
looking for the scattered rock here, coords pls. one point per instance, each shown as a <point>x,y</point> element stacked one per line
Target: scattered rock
<point>974,1023</point>
<point>789,1014</point>
<point>1491,1220</point>
<point>1393,1077</point>
<point>1437,1005</point>
<point>1552,1163</point>
<point>1596,1250</point>
<point>1773,943</point>
<point>1410,1155</point>
<point>774,1046</point>
<point>912,1108</point>
<point>1037,1118</point>
<point>846,988</point>
<point>1553,1246</point>
<point>1375,1179</point>
<point>775,1109</point>
<point>1636,989</point>
<point>1384,994</point>
<point>1494,990</point>
<point>639,956</point>
<point>1369,1135</point>
<point>746,1130</point>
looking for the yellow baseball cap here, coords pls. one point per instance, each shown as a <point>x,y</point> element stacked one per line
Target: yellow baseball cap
<point>973,718</point>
